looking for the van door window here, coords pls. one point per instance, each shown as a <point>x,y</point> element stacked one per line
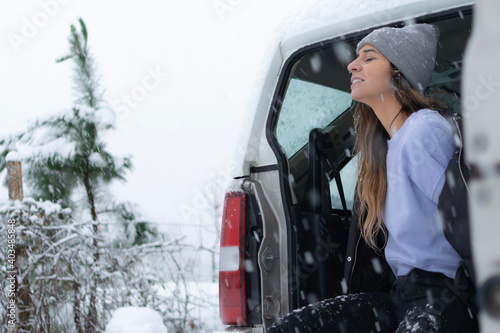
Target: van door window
<point>307,106</point>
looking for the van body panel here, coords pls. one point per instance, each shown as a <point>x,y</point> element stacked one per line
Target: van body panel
<point>253,150</point>
<point>272,254</point>
<point>482,85</point>
<point>481,100</point>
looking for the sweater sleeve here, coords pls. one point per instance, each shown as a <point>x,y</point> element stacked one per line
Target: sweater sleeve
<point>427,150</point>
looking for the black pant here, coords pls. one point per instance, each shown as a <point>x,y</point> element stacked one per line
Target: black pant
<point>418,302</point>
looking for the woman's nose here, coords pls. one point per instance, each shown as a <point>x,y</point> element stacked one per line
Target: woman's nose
<point>353,66</point>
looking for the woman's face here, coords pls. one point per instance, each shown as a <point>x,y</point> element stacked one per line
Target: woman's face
<point>371,76</point>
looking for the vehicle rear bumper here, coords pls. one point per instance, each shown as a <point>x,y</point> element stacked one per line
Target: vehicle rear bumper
<point>242,330</point>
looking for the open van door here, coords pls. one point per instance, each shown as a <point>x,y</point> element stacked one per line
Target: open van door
<point>481,105</point>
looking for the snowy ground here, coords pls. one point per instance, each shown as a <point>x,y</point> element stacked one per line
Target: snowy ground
<point>136,320</point>
<point>203,306</point>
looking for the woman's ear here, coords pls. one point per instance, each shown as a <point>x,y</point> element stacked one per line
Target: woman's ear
<point>405,84</point>
<point>396,77</point>
<point>399,82</point>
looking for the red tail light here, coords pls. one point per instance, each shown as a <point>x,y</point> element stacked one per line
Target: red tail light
<point>232,300</point>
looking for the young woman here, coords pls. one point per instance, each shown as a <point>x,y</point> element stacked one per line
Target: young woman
<point>404,146</point>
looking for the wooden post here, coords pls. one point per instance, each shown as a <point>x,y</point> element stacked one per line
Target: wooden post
<point>15,180</point>
<point>24,301</point>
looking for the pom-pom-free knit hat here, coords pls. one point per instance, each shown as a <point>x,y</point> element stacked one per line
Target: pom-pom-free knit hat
<point>412,49</point>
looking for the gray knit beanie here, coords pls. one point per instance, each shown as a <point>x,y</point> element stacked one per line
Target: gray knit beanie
<point>412,49</point>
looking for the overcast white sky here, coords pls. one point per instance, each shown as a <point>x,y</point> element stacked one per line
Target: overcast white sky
<point>184,128</point>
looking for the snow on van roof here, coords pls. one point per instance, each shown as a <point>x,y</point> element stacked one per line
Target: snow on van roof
<point>328,19</point>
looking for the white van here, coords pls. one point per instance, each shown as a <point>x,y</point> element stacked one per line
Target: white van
<point>284,229</point>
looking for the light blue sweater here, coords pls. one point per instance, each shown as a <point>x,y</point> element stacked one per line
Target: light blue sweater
<point>417,157</point>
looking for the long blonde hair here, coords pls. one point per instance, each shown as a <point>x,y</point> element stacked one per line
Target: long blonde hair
<point>371,147</point>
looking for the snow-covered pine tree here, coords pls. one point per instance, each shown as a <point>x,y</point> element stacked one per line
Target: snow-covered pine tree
<point>93,163</point>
